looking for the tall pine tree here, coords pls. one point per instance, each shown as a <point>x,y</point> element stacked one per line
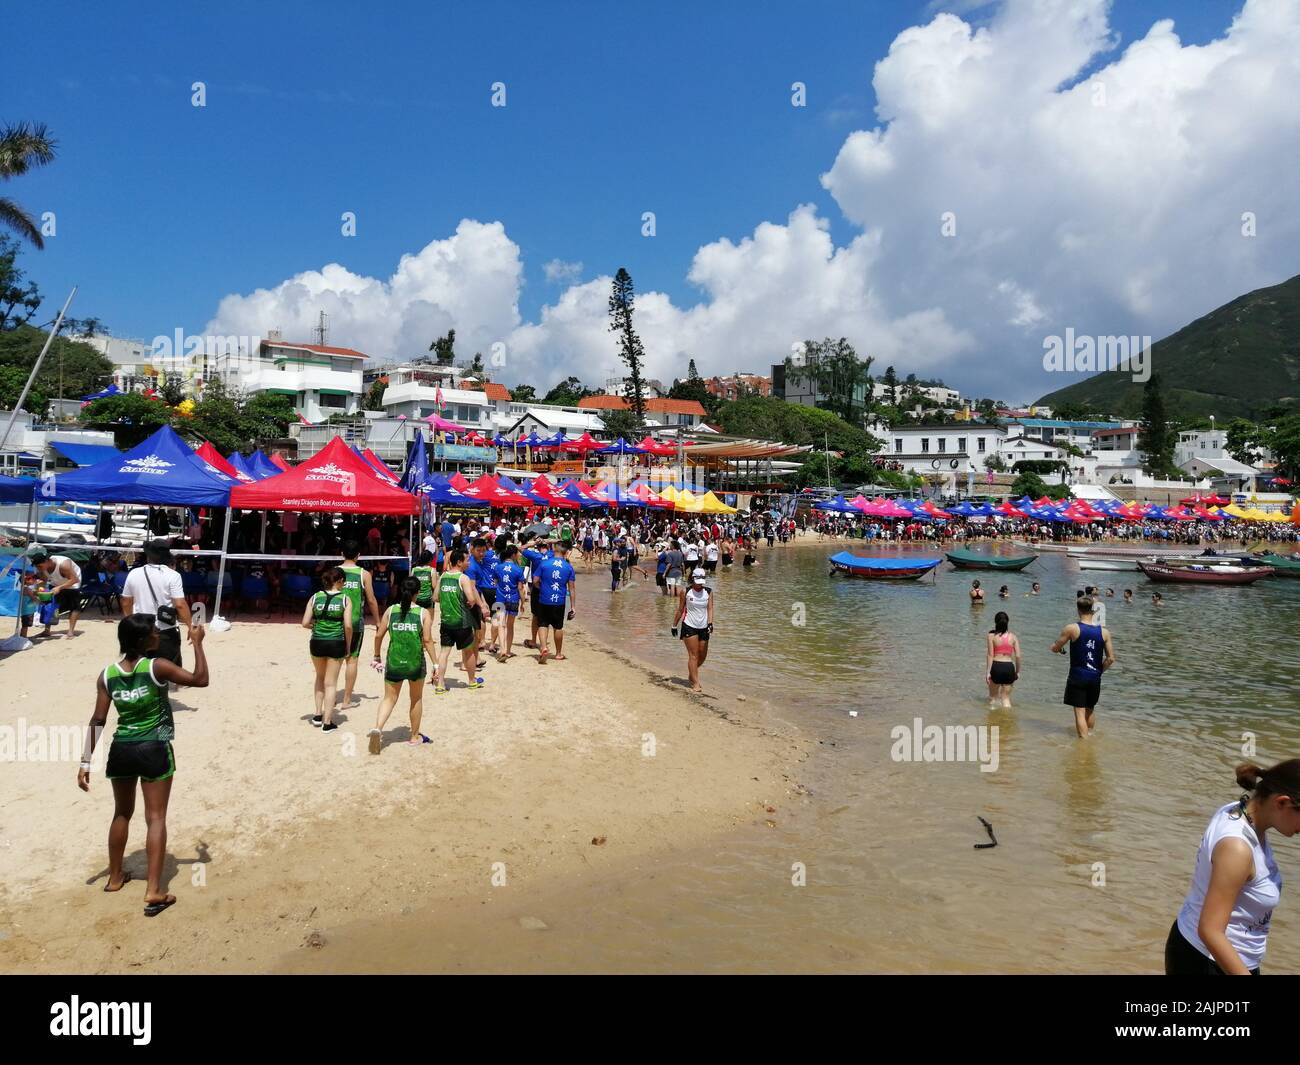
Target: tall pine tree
<point>1155,438</point>
<point>622,301</point>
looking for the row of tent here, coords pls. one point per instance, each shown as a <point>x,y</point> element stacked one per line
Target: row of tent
<point>1075,512</point>
<point>164,471</point>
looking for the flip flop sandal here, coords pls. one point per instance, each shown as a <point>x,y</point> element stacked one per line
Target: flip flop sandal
<point>126,879</point>
<point>153,909</point>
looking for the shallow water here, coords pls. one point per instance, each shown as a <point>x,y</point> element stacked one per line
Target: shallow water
<point>1096,839</point>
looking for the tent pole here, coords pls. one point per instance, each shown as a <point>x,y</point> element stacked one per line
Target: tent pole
<point>221,567</point>
<point>262,547</point>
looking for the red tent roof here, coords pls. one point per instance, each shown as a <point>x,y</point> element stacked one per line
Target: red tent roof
<point>279,460</point>
<point>489,489</point>
<point>213,457</point>
<point>380,467</point>
<point>335,480</point>
<point>584,443</point>
<point>543,487</point>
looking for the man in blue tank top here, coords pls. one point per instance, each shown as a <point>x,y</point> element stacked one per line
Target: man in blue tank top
<point>1091,654</point>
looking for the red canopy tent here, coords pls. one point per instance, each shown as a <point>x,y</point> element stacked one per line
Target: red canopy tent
<point>656,448</point>
<point>384,472</point>
<point>1212,500</point>
<point>214,458</point>
<point>1009,511</point>
<point>487,488</point>
<point>584,443</point>
<point>651,498</point>
<point>543,487</point>
<point>278,459</point>
<point>335,480</point>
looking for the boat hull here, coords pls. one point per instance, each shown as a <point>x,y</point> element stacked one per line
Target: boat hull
<point>882,569</point>
<point>1195,574</point>
<point>1283,565</point>
<point>1111,564</point>
<point>992,562</point>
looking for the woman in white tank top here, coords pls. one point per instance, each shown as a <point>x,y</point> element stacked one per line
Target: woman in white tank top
<point>1223,926</point>
<point>695,619</point>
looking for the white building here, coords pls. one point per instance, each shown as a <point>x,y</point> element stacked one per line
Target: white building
<point>320,381</point>
<point>33,447</point>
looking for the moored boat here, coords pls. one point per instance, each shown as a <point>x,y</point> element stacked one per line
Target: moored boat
<point>882,569</point>
<point>1201,573</point>
<point>978,560</point>
<point>1283,565</point>
<point>1111,564</point>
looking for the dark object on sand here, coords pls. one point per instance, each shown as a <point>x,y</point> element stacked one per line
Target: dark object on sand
<point>989,829</point>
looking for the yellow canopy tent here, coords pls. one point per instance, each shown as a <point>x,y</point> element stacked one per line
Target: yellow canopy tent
<point>711,504</point>
<point>668,492</point>
<point>1277,516</point>
<point>688,501</point>
<point>1235,511</point>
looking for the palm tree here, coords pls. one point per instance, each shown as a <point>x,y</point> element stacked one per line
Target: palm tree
<point>22,146</point>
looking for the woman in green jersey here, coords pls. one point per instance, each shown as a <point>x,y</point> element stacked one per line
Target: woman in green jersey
<point>409,628</point>
<point>424,572</point>
<point>456,597</point>
<point>329,616</point>
<point>142,745</point>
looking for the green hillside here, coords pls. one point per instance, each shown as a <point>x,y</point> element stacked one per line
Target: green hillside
<point>1234,362</point>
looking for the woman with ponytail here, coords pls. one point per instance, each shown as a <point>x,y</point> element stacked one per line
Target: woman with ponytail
<point>409,628</point>
<point>1222,928</point>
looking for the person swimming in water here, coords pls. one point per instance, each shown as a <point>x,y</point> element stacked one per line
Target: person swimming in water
<point>1004,592</point>
<point>1034,589</point>
<point>1128,595</point>
<point>976,594</point>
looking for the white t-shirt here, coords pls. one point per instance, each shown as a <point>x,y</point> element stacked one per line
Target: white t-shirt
<point>1248,923</point>
<point>166,587</point>
<point>692,553</point>
<point>431,543</point>
<point>711,552</point>
<point>57,576</point>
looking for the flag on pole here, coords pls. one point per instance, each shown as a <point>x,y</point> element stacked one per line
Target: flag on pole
<point>302,419</point>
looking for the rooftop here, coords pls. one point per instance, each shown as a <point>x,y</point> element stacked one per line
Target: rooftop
<point>653,406</point>
<point>318,348</point>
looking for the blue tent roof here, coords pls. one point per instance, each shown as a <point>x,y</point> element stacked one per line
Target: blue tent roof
<point>621,496</point>
<point>162,471</point>
<point>620,447</point>
<point>17,489</point>
<point>243,465</point>
<point>838,505</point>
<point>85,454</point>
<point>437,490</point>
<point>262,467</point>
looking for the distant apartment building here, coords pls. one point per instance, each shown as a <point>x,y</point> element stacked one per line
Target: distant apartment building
<point>737,385</point>
<point>134,367</point>
<point>318,380</point>
<point>1060,431</point>
<point>1122,439</point>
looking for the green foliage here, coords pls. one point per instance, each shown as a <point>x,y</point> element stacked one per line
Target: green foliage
<point>622,305</point>
<point>1283,439</point>
<point>444,348</point>
<point>1156,439</point>
<point>19,298</point>
<point>173,389</point>
<point>12,379</point>
<point>567,393</point>
<point>1028,483</point>
<point>374,398</point>
<point>1235,361</point>
<point>130,416</point>
<point>620,423</point>
<point>1242,437</point>
<point>692,386</point>
<point>842,379</point>
<point>524,394</point>
<point>995,463</point>
<point>23,145</point>
<point>84,370</point>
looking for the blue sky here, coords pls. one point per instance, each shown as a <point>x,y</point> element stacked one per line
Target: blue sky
<point>318,108</point>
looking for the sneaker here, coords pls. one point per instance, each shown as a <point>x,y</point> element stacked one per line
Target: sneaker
<point>317,721</point>
<point>331,727</point>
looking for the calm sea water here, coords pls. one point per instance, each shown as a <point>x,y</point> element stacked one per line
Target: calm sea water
<point>1096,839</point>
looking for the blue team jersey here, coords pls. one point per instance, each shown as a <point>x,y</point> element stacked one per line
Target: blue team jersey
<point>535,558</point>
<point>448,533</point>
<point>556,573</point>
<point>1085,653</point>
<point>509,574</point>
<point>479,573</point>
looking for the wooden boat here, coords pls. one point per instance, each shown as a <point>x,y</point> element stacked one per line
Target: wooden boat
<point>1111,564</point>
<point>978,560</point>
<point>877,568</point>
<point>1199,573</point>
<point>1283,565</point>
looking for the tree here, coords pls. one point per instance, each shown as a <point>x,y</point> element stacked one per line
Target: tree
<point>444,348</point>
<point>374,398</point>
<point>1155,438</point>
<point>19,298</point>
<point>995,463</point>
<point>891,386</point>
<point>567,393</point>
<point>476,366</point>
<point>692,386</point>
<point>620,423</point>
<point>130,416</point>
<point>76,366</point>
<point>173,389</point>
<point>1283,439</point>
<point>622,304</point>
<point>23,145</point>
<point>842,379</point>
<point>1242,438</point>
<point>1028,483</point>
<point>12,380</point>
<point>524,394</point>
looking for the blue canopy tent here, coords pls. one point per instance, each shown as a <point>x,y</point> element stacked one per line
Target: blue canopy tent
<point>571,492</point>
<point>111,390</point>
<point>621,447</point>
<point>556,441</point>
<point>621,497</point>
<point>17,489</point>
<point>501,440</point>
<point>242,465</point>
<point>838,505</point>
<point>261,467</point>
<point>161,471</point>
<point>964,509</point>
<point>85,454</point>
<point>438,490</point>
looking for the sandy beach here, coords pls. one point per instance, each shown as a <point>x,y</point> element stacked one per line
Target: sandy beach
<point>550,776</point>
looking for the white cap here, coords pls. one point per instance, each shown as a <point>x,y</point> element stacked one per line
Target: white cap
<point>698,574</point>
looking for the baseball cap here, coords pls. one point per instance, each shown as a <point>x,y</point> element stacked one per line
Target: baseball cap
<point>698,574</point>
<point>37,553</point>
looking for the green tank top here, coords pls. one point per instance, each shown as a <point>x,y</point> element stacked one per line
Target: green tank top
<point>144,711</point>
<point>405,639</point>
<point>451,601</point>
<point>327,615</point>
<point>354,590</point>
<point>424,574</point>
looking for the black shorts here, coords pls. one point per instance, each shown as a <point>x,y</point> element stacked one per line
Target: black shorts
<point>396,676</point>
<point>476,616</point>
<point>150,760</point>
<point>1002,673</point>
<point>711,567</point>
<point>489,596</point>
<point>169,645</point>
<point>1082,693</point>
<point>459,638</point>
<point>328,648</point>
<point>426,603</point>
<point>1183,959</point>
<point>69,599</point>
<point>726,560</point>
<point>549,615</point>
<point>687,630</point>
<point>358,633</point>
<point>661,580</point>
